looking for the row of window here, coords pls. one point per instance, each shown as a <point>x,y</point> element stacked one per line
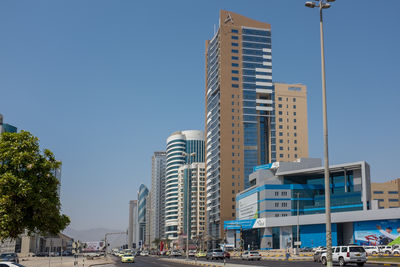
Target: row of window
<point>281,148</point>
<point>283,204</point>
<point>389,192</point>
<point>287,120</point>
<point>294,127</point>
<point>288,134</point>
<point>287,99</point>
<point>287,106</point>
<point>288,155</point>
<point>287,113</point>
<point>281,141</point>
<point>283,193</point>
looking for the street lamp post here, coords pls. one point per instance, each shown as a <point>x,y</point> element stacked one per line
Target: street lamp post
<point>298,224</point>
<point>187,202</point>
<point>324,4</point>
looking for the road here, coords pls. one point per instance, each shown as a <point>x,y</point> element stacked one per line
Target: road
<point>158,262</point>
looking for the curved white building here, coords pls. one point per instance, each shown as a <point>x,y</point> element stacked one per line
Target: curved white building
<point>180,145</point>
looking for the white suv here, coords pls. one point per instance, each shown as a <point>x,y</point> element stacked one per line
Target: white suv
<point>372,250</point>
<point>347,254</point>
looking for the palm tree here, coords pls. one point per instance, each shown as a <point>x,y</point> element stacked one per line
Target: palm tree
<point>157,242</point>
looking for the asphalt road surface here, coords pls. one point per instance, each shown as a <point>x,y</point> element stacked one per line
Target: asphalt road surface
<point>157,262</point>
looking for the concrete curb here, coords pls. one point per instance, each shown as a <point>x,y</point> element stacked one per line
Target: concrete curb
<point>202,263</point>
<point>103,263</point>
<point>384,263</point>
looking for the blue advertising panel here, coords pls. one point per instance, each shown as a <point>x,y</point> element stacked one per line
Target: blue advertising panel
<point>375,233</point>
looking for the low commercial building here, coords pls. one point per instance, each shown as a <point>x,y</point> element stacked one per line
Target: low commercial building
<point>26,245</point>
<point>387,194</point>
<point>287,195</point>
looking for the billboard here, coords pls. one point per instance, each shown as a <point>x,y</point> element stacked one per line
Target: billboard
<point>94,246</point>
<point>375,233</point>
<point>247,207</point>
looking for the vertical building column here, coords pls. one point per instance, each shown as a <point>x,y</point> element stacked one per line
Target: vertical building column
<point>130,228</point>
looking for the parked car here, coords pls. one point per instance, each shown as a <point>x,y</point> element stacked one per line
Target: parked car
<point>371,250</point>
<point>317,255</point>
<point>137,253</point>
<point>66,253</point>
<point>215,254</point>
<point>346,254</point>
<point>192,253</point>
<point>10,257</point>
<point>385,249</point>
<point>175,253</point>
<point>201,254</point>
<point>306,249</point>
<point>251,255</point>
<point>396,251</point>
<point>10,264</point>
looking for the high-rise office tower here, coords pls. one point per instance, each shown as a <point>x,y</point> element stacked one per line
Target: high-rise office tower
<point>192,200</point>
<point>157,193</point>
<point>4,127</point>
<point>142,201</point>
<point>182,147</point>
<point>240,118</point>
<point>291,121</point>
<point>135,230</point>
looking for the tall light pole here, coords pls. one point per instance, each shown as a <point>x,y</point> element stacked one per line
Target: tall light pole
<point>298,224</point>
<point>187,202</point>
<point>324,4</point>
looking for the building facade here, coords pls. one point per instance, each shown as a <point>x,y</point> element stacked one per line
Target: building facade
<point>142,207</point>
<point>240,116</point>
<point>291,121</point>
<point>135,224</point>
<point>157,193</point>
<point>7,128</point>
<point>387,194</point>
<point>192,200</point>
<point>267,211</point>
<point>182,147</point>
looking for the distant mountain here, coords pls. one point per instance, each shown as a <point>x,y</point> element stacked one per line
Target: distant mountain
<point>96,234</point>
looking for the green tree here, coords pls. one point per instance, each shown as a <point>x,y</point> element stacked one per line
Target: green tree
<point>29,197</point>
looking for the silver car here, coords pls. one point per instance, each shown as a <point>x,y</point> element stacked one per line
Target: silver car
<point>251,255</point>
<point>215,254</point>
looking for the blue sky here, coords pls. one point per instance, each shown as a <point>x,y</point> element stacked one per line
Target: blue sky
<point>104,83</point>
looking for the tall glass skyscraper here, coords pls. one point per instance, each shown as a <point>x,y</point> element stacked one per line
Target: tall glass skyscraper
<point>180,147</point>
<point>157,192</point>
<point>240,118</point>
<point>142,201</point>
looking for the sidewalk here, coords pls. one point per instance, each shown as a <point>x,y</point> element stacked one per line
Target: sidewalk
<point>203,263</point>
<point>62,262</point>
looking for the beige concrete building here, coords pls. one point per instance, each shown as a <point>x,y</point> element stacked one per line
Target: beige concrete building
<point>240,126</point>
<point>291,121</point>
<point>387,194</point>
<point>196,202</point>
<point>241,115</point>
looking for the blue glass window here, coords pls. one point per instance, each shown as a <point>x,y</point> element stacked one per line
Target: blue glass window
<point>256,32</point>
<point>256,45</point>
<point>235,78</point>
<point>235,65</point>
<point>235,58</point>
<point>235,31</point>
<point>234,37</point>
<point>235,51</point>
<point>256,39</point>
<point>234,44</point>
<point>235,85</point>
<point>235,71</point>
